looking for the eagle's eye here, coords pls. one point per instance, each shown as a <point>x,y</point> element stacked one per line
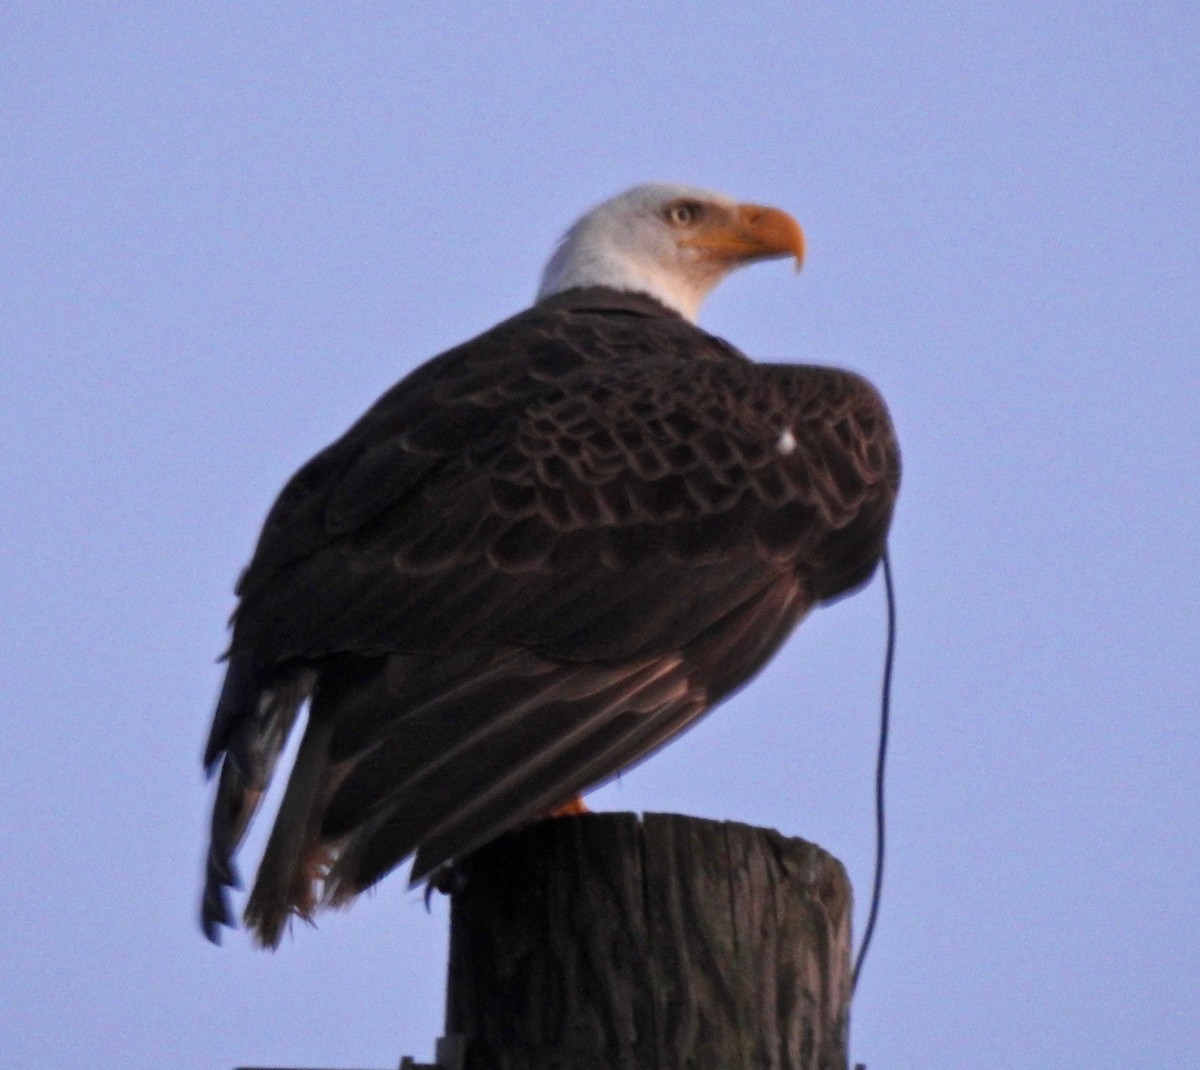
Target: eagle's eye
<point>682,213</point>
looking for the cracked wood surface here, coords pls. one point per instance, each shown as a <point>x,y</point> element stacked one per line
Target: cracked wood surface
<point>619,942</point>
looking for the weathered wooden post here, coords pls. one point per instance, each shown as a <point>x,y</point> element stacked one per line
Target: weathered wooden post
<point>619,942</point>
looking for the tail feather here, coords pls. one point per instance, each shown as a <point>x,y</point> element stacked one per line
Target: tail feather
<point>250,728</point>
<point>391,764</point>
<point>290,871</point>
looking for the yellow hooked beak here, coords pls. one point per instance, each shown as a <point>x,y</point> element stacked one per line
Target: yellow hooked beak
<point>748,233</point>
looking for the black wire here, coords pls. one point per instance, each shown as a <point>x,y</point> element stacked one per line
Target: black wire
<point>880,763</point>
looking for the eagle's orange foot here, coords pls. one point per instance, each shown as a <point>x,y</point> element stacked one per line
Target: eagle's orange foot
<point>574,805</point>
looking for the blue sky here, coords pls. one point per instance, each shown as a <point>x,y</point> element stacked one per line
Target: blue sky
<point>228,228</point>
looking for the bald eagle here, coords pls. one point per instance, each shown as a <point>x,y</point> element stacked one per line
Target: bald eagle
<point>536,559</point>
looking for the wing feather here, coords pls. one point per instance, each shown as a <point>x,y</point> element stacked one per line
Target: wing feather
<point>532,562</point>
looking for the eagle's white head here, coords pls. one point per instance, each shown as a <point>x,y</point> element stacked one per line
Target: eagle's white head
<point>674,243</point>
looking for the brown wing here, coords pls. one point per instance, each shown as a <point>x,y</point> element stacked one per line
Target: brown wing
<point>499,605</point>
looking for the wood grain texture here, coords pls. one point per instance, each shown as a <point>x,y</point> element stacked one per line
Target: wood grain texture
<point>657,943</point>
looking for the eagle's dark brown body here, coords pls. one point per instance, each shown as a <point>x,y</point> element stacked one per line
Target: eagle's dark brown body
<point>536,559</point>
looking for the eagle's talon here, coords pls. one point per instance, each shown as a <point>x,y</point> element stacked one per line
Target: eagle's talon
<point>574,805</point>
